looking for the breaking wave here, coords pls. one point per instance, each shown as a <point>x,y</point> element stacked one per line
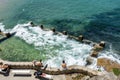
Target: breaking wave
<point>58,47</point>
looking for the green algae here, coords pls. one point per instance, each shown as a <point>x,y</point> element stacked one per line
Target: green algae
<point>15,49</point>
<point>116,71</point>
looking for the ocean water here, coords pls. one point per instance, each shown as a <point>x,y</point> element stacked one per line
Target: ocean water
<point>96,20</point>
<point>50,47</point>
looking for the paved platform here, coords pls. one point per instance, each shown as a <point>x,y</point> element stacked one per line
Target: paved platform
<point>32,77</point>
<point>12,77</point>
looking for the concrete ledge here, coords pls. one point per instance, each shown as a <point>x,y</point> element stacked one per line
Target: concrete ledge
<point>75,69</point>
<point>21,72</point>
<point>55,71</point>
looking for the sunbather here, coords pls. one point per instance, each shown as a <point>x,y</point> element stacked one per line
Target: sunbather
<point>38,63</point>
<point>64,65</point>
<point>4,68</point>
<point>40,74</point>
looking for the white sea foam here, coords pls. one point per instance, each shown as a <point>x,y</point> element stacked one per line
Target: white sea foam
<point>110,54</point>
<point>2,27</point>
<point>58,47</point>
<point>70,50</point>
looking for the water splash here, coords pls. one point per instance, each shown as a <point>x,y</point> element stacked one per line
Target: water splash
<point>58,47</point>
<point>2,27</point>
<point>110,54</point>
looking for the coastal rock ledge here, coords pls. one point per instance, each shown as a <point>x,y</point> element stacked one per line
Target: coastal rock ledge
<point>108,64</point>
<point>74,72</point>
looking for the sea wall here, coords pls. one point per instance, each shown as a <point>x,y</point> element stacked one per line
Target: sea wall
<point>73,69</point>
<point>54,71</point>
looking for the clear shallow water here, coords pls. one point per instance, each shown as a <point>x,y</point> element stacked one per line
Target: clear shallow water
<point>97,20</point>
<point>90,18</point>
<point>53,48</point>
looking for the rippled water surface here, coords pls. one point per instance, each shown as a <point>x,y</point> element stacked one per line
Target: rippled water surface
<point>96,20</point>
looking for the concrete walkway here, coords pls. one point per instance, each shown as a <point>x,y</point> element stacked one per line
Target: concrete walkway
<point>12,77</point>
<point>32,77</point>
<point>59,77</point>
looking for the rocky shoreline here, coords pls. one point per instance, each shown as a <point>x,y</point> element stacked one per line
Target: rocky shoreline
<point>81,72</point>
<point>74,72</point>
<point>108,64</point>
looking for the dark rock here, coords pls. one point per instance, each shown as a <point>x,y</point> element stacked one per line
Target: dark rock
<point>64,32</point>
<point>53,29</point>
<point>8,35</point>
<point>81,37</point>
<point>31,23</point>
<point>41,26</point>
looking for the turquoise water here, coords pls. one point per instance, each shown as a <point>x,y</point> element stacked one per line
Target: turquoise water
<point>96,20</point>
<point>46,11</point>
<point>73,16</point>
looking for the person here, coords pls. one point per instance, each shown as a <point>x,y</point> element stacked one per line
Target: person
<point>38,63</point>
<point>64,65</point>
<point>40,74</point>
<point>4,68</point>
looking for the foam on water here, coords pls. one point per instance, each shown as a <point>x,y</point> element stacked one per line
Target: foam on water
<point>58,47</point>
<point>70,50</point>
<point>2,27</point>
<point>110,54</point>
